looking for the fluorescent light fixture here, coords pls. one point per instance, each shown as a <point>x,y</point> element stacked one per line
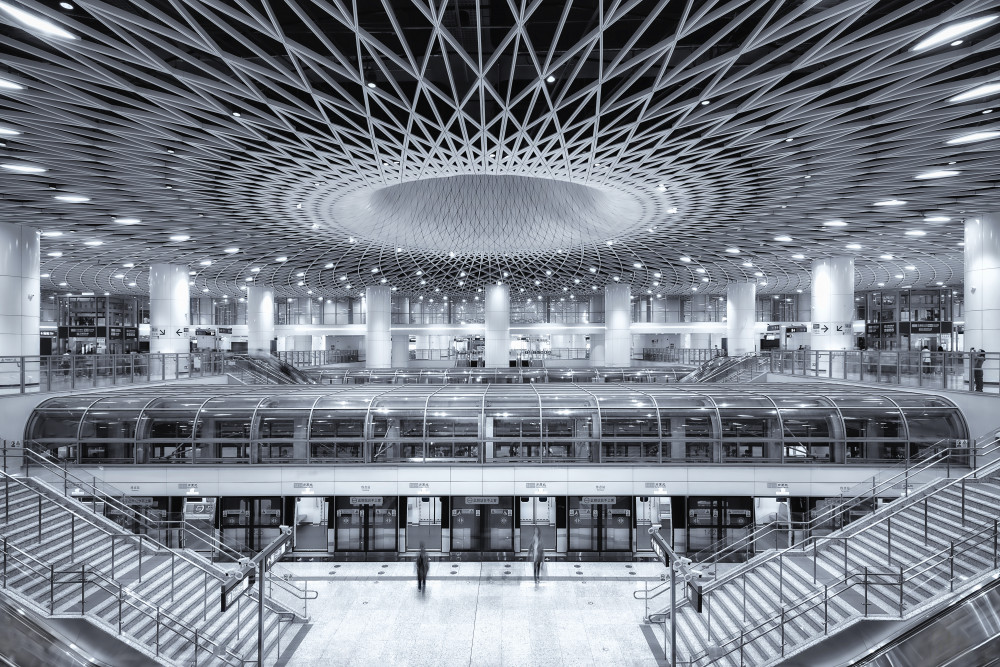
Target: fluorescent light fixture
<point>972,138</point>
<point>915,232</point>
<point>938,173</point>
<point>890,202</point>
<point>6,84</point>
<point>71,199</point>
<point>979,91</point>
<point>954,31</point>
<point>180,237</point>
<point>33,22</point>
<point>119,276</point>
<point>834,223</point>
<point>23,168</point>
<point>910,267</point>
<point>8,132</point>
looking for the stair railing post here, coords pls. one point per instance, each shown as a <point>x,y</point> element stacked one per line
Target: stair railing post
<point>994,544</point>
<point>5,562</point>
<point>157,631</point>
<point>951,578</point>
<point>52,586</point>
<point>925,521</point>
<point>172,576</point>
<point>900,590</point>
<point>826,608</point>
<point>888,538</point>
<point>782,631</point>
<point>121,594</point>
<point>744,577</point>
<point>140,558</point>
<point>39,518</point>
<point>866,590</point>
<point>781,580</point>
<point>963,502</point>
<point>72,536</point>
<point>83,596</point>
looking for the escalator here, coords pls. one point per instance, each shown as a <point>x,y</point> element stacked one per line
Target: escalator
<point>963,634</point>
<point>266,369</point>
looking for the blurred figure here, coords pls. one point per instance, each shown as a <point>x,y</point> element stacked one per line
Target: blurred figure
<point>978,359</point>
<point>423,564</point>
<point>925,359</point>
<point>537,552</point>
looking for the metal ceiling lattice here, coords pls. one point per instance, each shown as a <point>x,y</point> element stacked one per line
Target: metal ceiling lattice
<point>677,145</point>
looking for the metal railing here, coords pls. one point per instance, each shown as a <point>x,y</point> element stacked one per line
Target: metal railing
<point>817,547</point>
<point>678,355</point>
<point>319,357</point>
<point>956,371</point>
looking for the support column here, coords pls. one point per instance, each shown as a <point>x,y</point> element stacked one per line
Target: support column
<point>260,319</point>
<point>169,309</point>
<point>19,283</point>
<point>982,287</point>
<point>741,311</point>
<point>497,351</point>
<point>617,325</point>
<point>400,350</point>
<point>832,304</point>
<point>378,339</point>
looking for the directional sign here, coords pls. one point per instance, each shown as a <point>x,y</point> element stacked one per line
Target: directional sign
<point>179,332</point>
<point>825,328</point>
<point>840,327</point>
<point>232,591</point>
<point>163,332</point>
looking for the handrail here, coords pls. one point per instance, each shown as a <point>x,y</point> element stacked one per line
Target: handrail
<point>114,587</point>
<point>828,513</point>
<point>813,540</point>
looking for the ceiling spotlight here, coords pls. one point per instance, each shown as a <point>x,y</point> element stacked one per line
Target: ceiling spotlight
<point>915,232</point>
<point>54,232</point>
<point>782,239</point>
<point>23,168</point>
<point>890,202</point>
<point>939,173</point>
<point>129,221</point>
<point>328,265</point>
<point>54,253</point>
<point>10,85</point>
<point>231,251</point>
<point>93,243</point>
<point>180,237</point>
<point>949,33</point>
<point>661,188</point>
<point>8,132</point>
<point>70,199</point>
<point>834,223</point>
<point>66,6</point>
<point>593,269</point>
<point>685,259</point>
<point>733,251</point>
<point>371,84</point>
<point>129,265</point>
<point>910,267</point>
<point>853,246</point>
<point>281,259</point>
<point>206,262</point>
<point>550,79</point>
<point>937,218</point>
<point>984,90</point>
<point>704,103</point>
<point>798,256</point>
<point>973,137</point>
<point>33,22</point>
<point>885,257</point>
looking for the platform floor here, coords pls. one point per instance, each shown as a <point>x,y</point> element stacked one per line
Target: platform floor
<point>476,614</point>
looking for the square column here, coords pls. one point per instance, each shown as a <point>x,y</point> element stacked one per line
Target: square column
<point>169,309</point>
<point>832,304</point>
<point>982,287</point>
<point>497,349</point>
<point>19,284</point>
<point>617,325</point>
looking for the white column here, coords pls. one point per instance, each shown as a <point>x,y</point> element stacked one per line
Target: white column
<point>741,310</point>
<point>260,319</point>
<point>19,285</point>
<point>832,304</point>
<point>596,350</point>
<point>982,286</point>
<point>400,350</point>
<point>497,351</point>
<point>169,309</point>
<point>378,318</point>
<point>617,325</point>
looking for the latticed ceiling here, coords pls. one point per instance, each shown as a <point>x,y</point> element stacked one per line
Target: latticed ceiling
<point>437,146</point>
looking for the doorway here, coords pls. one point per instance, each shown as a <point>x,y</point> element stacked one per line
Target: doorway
<point>424,522</point>
<point>365,524</point>
<point>309,532</point>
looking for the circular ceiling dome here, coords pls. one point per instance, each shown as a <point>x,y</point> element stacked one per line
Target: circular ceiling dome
<point>486,214</point>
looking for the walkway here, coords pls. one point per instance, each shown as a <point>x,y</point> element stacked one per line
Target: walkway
<point>476,614</point>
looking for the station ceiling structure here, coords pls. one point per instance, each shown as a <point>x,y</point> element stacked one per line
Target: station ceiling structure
<point>437,146</point>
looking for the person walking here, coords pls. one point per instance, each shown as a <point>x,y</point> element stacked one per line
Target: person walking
<point>978,359</point>
<point>537,552</point>
<point>423,564</point>
<point>925,359</point>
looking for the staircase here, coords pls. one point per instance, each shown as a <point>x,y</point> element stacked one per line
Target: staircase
<point>63,560</point>
<point>911,555</point>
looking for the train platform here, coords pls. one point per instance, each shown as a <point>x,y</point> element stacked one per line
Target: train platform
<point>476,614</point>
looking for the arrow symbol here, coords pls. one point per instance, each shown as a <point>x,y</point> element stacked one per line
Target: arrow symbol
<point>840,328</point>
<point>179,332</point>
<point>825,328</point>
<point>163,332</point>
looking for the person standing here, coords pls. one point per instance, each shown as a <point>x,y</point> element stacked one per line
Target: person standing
<point>423,565</point>
<point>537,552</point>
<point>978,359</point>
<point>925,359</point>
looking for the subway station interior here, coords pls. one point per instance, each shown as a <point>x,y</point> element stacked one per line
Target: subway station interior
<point>488,333</point>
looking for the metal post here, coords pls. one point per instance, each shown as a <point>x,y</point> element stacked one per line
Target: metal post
<point>39,518</point>
<point>140,558</point>
<point>866,590</point>
<point>172,577</point>
<point>72,536</point>
<point>925,521</point>
<point>994,544</point>
<point>888,538</point>
<point>83,596</point>
<point>260,615</point>
<point>951,580</point>
<point>157,631</point>
<point>826,608</point>
<point>900,590</point>
<point>963,502</point>
<point>781,580</point>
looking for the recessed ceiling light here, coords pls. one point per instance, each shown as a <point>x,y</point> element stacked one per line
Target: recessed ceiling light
<point>72,199</point>
<point>973,137</point>
<point>593,269</point>
<point>910,267</point>
<point>951,32</point>
<point>685,259</point>
<point>53,232</point>
<point>886,257</point>
<point>23,168</point>
<point>128,265</point>
<point>853,246</point>
<point>661,188</point>
<point>180,237</point>
<point>550,79</point>
<point>939,173</point>
<point>281,259</point>
<point>10,85</point>
<point>783,239</point>
<point>733,251</point>
<point>119,276</point>
<point>54,253</point>
<point>128,221</point>
<point>66,6</point>
<point>979,91</point>
<point>937,218</point>
<point>255,269</point>
<point>704,103</point>
<point>249,279</point>
<point>204,289</point>
<point>44,275</point>
<point>93,243</point>
<point>206,262</point>
<point>890,202</point>
<point>8,132</point>
<point>236,114</point>
<point>371,84</point>
<point>797,256</point>
<point>231,251</point>
<point>35,22</point>
<point>915,232</point>
<point>699,270</point>
<point>898,276</point>
<point>835,223</point>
